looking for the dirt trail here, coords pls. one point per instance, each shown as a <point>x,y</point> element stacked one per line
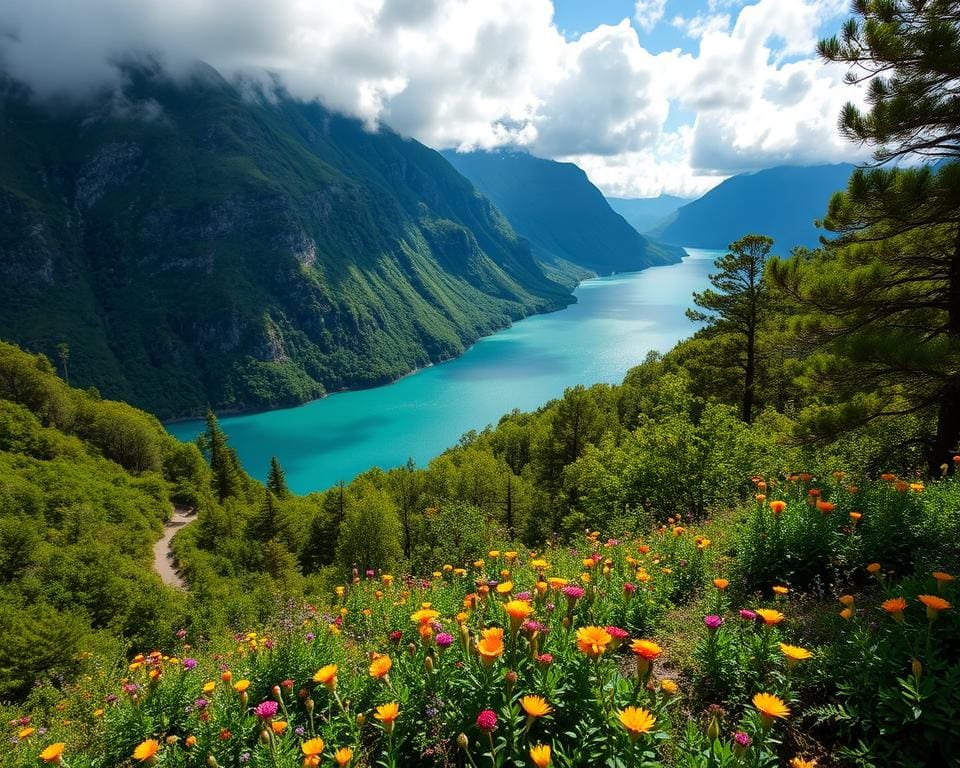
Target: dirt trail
<point>162,554</point>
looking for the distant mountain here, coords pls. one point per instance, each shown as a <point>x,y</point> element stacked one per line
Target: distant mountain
<point>194,245</point>
<point>780,202</point>
<point>560,212</point>
<point>644,213</point>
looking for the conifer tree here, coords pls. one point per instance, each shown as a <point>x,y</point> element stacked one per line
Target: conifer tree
<point>735,306</point>
<point>227,479</point>
<point>277,480</point>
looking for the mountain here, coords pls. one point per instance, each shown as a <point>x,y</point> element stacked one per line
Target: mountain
<point>560,212</point>
<point>780,202</point>
<point>196,242</point>
<point>644,213</point>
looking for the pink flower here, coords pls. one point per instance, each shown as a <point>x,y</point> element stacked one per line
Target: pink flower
<point>629,588</point>
<point>713,622</point>
<point>573,592</point>
<point>444,640</point>
<point>487,721</point>
<point>266,710</point>
<point>748,615</point>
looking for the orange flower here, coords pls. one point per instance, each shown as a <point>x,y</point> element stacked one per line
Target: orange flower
<point>593,641</point>
<point>343,756</point>
<point>380,666</point>
<point>278,727</point>
<point>518,610</point>
<point>873,569</point>
<point>770,707</point>
<point>540,754</point>
<point>53,753</point>
<point>794,654</point>
<point>646,649</point>
<point>770,617</point>
<point>846,600</point>
<point>942,579</point>
<point>895,606</point>
<point>424,616</point>
<point>387,714</point>
<point>825,507</point>
<point>668,686</point>
<point>780,590</point>
<point>799,762</point>
<point>535,706</point>
<point>846,613</point>
<point>490,648</point>
<point>146,750</point>
<point>327,676</point>
<point>637,721</point>
<point>312,748</point>
<point>25,733</point>
<point>777,507</point>
<point>934,605</point>
<point>721,584</point>
<point>856,517</point>
<point>241,686</point>
<point>190,741</point>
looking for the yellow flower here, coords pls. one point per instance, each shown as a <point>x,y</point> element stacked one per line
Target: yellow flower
<point>380,666</point>
<point>637,721</point>
<point>387,714</point>
<point>770,706</point>
<point>518,610</point>
<point>504,587</point>
<point>25,733</point>
<point>769,616</point>
<point>540,754</point>
<point>209,687</point>
<point>593,641</point>
<point>312,748</point>
<point>780,590</point>
<point>668,686</point>
<point>535,706</point>
<point>343,756</point>
<point>794,654</point>
<point>53,753</point>
<point>146,750</point>
<point>424,615</point>
<point>241,686</point>
<point>646,649</point>
<point>799,762</point>
<point>327,676</point>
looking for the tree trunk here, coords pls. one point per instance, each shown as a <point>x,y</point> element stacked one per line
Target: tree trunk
<point>945,443</point>
<point>749,376</point>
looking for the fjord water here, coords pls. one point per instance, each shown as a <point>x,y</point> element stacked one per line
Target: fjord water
<point>610,329</point>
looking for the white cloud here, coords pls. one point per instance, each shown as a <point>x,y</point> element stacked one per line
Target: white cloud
<point>648,13</point>
<point>486,73</point>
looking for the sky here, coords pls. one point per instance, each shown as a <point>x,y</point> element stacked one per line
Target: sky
<point>647,96</point>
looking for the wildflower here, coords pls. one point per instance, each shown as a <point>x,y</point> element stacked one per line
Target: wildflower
<point>846,614</point>
<point>540,754</point>
<point>794,654</point>
<point>618,635</point>
<point>895,606</point>
<point>846,600</point>
<point>721,584</point>
<point>942,579</point>
<point>387,714</point>
<point>934,605</point>
<point>825,507</point>
<point>444,640</point>
<point>713,622</point>
<point>741,743</point>
<point>53,753</point>
<point>313,747</point>
<point>668,686</point>
<point>190,742</point>
<point>593,641</point>
<point>209,687</point>
<point>856,517</point>
<point>518,610</point>
<point>278,727</point>
<point>189,663</point>
<point>535,706</point>
<point>770,617</point>
<point>873,569</point>
<point>487,721</point>
<point>146,750</point>
<point>343,756</point>
<point>780,590</point>
<point>266,710</point>
<point>327,677</point>
<point>490,648</point>
<point>645,651</point>
<point>424,616</point>
<point>747,615</point>
<point>637,721</point>
<point>770,706</point>
<point>777,507</point>
<point>380,666</point>
<point>799,762</point>
<point>241,686</point>
<point>505,587</point>
<point>573,593</point>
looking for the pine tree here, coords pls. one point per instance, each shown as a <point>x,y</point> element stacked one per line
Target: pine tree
<point>227,476</point>
<point>277,480</point>
<point>736,305</point>
<point>881,303</point>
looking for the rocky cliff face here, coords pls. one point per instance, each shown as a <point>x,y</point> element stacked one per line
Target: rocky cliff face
<point>194,247</point>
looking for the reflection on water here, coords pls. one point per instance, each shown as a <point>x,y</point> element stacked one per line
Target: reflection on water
<point>613,325</point>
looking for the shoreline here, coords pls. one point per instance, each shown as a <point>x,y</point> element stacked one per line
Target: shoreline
<point>230,412</point>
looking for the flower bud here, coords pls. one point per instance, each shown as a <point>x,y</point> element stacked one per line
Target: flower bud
<point>428,664</point>
<point>713,730</point>
<point>277,693</point>
<point>309,705</point>
<point>212,762</point>
<point>462,741</point>
<point>412,649</point>
<point>361,719</point>
<point>917,668</point>
<point>265,736</point>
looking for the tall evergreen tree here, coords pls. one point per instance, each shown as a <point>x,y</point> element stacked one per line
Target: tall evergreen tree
<point>277,480</point>
<point>735,306</point>
<point>881,304</point>
<point>227,477</point>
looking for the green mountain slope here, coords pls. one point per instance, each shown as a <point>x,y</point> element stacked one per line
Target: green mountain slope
<point>644,213</point>
<point>564,216</point>
<point>194,245</point>
<point>780,202</point>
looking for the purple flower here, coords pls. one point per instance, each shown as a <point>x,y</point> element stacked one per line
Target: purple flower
<point>181,633</point>
<point>522,596</point>
<point>747,615</point>
<point>266,710</point>
<point>713,622</point>
<point>201,704</point>
<point>444,640</point>
<point>189,663</point>
<point>310,637</point>
<point>244,757</point>
<point>299,730</point>
<point>111,698</point>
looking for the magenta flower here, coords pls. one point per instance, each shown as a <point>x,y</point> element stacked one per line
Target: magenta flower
<point>629,588</point>
<point>741,739</point>
<point>713,622</point>
<point>189,663</point>
<point>573,592</point>
<point>747,615</point>
<point>266,710</point>
<point>444,640</point>
<point>487,721</point>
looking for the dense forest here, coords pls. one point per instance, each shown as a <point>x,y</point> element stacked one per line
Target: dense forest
<point>743,554</point>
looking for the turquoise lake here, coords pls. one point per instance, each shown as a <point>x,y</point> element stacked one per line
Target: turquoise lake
<point>610,329</point>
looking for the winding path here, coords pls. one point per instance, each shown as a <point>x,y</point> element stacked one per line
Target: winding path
<point>163,560</point>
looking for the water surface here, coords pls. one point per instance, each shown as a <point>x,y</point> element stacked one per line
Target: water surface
<point>610,329</point>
